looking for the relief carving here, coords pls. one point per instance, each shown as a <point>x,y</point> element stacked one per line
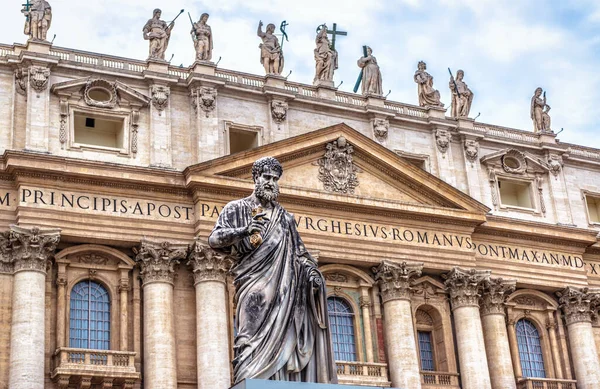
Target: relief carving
<point>423,318</point>
<point>514,162</point>
<point>396,279</point>
<point>160,97</point>
<point>465,286</point>
<point>471,150</point>
<point>21,81</point>
<point>6,264</point>
<point>539,181</point>
<point>495,293</point>
<point>555,163</point>
<point>32,248</point>
<point>364,301</point>
<point>578,304</point>
<point>64,114</point>
<point>92,258</point>
<point>336,168</point>
<point>204,98</point>
<point>336,277</point>
<point>442,140</point>
<point>279,110</point>
<point>207,264</point>
<point>135,122</point>
<point>100,93</point>
<point>380,129</point>
<point>38,78</point>
<point>157,261</point>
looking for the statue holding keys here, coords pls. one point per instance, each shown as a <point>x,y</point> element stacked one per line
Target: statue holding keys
<point>158,33</point>
<point>202,37</point>
<point>282,326</point>
<point>271,54</point>
<point>38,17</point>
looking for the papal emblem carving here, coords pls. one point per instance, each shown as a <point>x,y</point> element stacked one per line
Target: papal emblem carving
<point>336,168</point>
<point>38,77</point>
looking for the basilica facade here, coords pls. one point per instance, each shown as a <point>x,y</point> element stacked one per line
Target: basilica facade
<point>456,254</point>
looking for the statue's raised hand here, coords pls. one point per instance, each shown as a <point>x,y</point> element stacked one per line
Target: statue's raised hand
<point>257,224</point>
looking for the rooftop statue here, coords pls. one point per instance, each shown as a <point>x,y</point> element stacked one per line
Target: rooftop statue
<point>281,322</point>
<point>158,33</point>
<point>539,112</point>
<point>462,97</point>
<point>271,55</point>
<point>203,39</point>
<point>38,19</point>
<point>427,95</point>
<point>326,57</point>
<point>371,75</point>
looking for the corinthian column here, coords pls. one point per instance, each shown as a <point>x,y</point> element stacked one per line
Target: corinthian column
<point>395,282</point>
<point>157,263</point>
<point>495,336</point>
<point>578,306</point>
<point>31,249</point>
<point>464,287</point>
<point>212,345</point>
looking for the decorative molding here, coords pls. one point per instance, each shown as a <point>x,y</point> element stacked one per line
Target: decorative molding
<point>578,304</point>
<point>539,180</point>
<point>514,162</point>
<point>527,301</point>
<point>38,78</point>
<point>396,279</point>
<point>279,111</point>
<point>442,140</point>
<point>464,286</point>
<point>364,301</point>
<point>135,122</point>
<point>336,277</point>
<point>493,180</point>
<point>204,98</point>
<point>495,293</point>
<point>337,171</point>
<point>160,97</point>
<point>32,248</point>
<point>380,129</point>
<point>471,151</point>
<point>108,87</point>
<point>92,258</point>
<point>21,81</point>
<point>6,263</point>
<point>157,261</point>
<point>423,318</point>
<point>207,264</point>
<point>64,115</point>
<point>555,164</point>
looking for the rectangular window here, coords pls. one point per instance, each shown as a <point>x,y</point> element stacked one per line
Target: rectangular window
<point>593,207</point>
<point>426,351</point>
<point>241,140</point>
<point>515,193</point>
<point>100,131</point>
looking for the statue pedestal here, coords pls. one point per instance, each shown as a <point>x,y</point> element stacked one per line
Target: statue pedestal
<point>38,46</point>
<point>547,137</point>
<point>157,65</point>
<point>204,67</point>
<point>275,81</point>
<point>264,384</point>
<point>436,112</point>
<point>325,89</point>
<point>375,100</point>
<point>466,123</point>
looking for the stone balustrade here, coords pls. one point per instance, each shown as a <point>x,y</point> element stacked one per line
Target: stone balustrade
<point>75,364</point>
<point>545,383</point>
<point>439,379</point>
<point>363,373</point>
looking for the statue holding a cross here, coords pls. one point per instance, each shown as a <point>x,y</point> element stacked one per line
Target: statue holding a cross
<point>38,16</point>
<point>326,57</point>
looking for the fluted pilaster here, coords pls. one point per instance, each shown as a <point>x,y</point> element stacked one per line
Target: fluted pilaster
<point>395,283</point>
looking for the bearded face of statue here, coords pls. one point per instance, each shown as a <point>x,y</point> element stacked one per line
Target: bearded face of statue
<point>266,186</point>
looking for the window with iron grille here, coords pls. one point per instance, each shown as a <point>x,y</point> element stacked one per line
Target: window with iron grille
<point>530,349</point>
<point>426,350</point>
<point>341,322</point>
<point>89,325</point>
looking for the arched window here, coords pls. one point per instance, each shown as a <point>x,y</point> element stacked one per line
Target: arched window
<point>530,349</point>
<point>341,321</point>
<point>90,316</point>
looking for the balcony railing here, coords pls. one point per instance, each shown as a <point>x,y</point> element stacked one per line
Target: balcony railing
<point>96,366</point>
<point>439,379</point>
<point>545,383</point>
<point>363,373</point>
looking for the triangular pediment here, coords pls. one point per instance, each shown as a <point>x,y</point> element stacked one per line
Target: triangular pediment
<point>123,92</point>
<point>312,160</point>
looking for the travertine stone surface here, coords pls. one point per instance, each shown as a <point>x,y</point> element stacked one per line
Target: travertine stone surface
<point>38,109</point>
<point>464,287</point>
<point>578,305</point>
<point>160,366</point>
<point>210,271</point>
<point>395,282</point>
<point>27,331</point>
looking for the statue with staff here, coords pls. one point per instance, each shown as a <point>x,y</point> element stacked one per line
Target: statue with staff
<point>370,76</point>
<point>158,32</point>
<point>539,111</point>
<point>38,17</point>
<point>202,37</point>
<point>271,54</point>
<point>462,97</point>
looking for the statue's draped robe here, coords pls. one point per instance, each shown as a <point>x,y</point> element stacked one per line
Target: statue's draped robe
<point>281,315</point>
<point>325,57</point>
<point>537,110</point>
<point>159,35</point>
<point>371,76</point>
<point>461,106</point>
<point>427,95</point>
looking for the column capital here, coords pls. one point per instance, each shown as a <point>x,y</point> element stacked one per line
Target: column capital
<point>464,286</point>
<point>157,261</point>
<point>495,292</point>
<point>32,248</point>
<point>578,304</point>
<point>207,264</point>
<point>395,279</point>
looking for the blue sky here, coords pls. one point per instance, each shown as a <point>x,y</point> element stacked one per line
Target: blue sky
<point>506,48</point>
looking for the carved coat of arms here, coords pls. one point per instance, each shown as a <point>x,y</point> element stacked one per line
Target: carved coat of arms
<point>336,168</point>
